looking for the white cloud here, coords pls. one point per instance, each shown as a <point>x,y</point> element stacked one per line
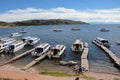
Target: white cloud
<point>102,15</point>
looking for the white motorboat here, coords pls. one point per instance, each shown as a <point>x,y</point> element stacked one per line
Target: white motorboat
<point>33,40</point>
<point>77,46</point>
<point>41,49</point>
<point>15,35</point>
<point>5,43</point>
<point>22,31</point>
<point>57,30</point>
<point>117,42</point>
<point>102,41</point>
<point>57,51</point>
<point>16,46</point>
<point>75,28</point>
<point>104,30</point>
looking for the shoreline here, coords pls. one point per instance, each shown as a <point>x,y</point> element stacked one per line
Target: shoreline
<point>52,65</point>
<point>7,69</point>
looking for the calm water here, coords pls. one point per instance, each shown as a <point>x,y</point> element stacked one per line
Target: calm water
<point>98,60</point>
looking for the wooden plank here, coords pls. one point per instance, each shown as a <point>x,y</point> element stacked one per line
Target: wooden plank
<point>17,57</point>
<point>85,53</point>
<point>85,65</point>
<point>35,61</point>
<point>110,53</point>
<point>84,60</point>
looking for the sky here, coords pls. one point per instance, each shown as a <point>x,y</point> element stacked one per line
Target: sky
<point>91,11</point>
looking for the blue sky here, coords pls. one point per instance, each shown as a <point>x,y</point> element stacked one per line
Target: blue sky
<point>35,8</point>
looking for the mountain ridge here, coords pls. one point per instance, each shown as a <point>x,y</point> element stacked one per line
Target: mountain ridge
<point>40,22</point>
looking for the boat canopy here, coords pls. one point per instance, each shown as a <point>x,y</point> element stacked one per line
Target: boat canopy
<point>78,42</point>
<point>43,45</point>
<point>59,47</point>
<point>102,40</point>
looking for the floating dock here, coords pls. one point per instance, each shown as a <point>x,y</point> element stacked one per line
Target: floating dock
<point>110,53</point>
<point>35,61</point>
<point>17,57</point>
<point>84,60</point>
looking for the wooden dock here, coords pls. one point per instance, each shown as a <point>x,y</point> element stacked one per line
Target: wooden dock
<point>84,60</point>
<point>110,53</point>
<point>35,61</point>
<point>17,57</point>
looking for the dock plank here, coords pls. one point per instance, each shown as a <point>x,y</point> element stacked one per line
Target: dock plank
<point>110,53</point>
<point>35,61</point>
<point>84,60</point>
<point>17,57</point>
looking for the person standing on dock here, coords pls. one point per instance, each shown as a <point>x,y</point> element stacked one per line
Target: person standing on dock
<point>80,70</point>
<point>77,69</point>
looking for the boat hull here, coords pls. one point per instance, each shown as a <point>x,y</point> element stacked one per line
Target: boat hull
<point>19,47</point>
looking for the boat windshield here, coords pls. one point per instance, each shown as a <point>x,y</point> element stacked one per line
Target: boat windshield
<point>105,41</point>
<point>38,50</point>
<point>77,46</point>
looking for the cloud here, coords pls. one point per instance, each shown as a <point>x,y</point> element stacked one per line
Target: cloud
<point>89,15</point>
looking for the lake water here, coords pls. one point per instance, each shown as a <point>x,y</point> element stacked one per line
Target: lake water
<point>98,60</point>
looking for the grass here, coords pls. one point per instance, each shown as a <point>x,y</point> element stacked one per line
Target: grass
<point>5,79</point>
<point>56,73</point>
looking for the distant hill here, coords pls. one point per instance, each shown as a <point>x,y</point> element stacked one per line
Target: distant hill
<point>40,22</point>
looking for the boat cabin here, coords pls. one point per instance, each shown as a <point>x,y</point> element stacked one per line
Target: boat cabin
<point>57,51</point>
<point>102,41</point>
<point>41,49</point>
<point>16,46</point>
<point>77,46</point>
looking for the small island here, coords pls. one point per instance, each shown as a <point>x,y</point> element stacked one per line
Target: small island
<point>39,22</point>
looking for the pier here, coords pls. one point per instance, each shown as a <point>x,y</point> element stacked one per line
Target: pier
<point>110,53</point>
<point>17,57</point>
<point>35,61</point>
<point>84,60</point>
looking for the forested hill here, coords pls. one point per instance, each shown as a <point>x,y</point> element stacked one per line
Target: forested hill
<point>40,22</point>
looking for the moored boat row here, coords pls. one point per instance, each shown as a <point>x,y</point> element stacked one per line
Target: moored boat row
<point>8,45</point>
